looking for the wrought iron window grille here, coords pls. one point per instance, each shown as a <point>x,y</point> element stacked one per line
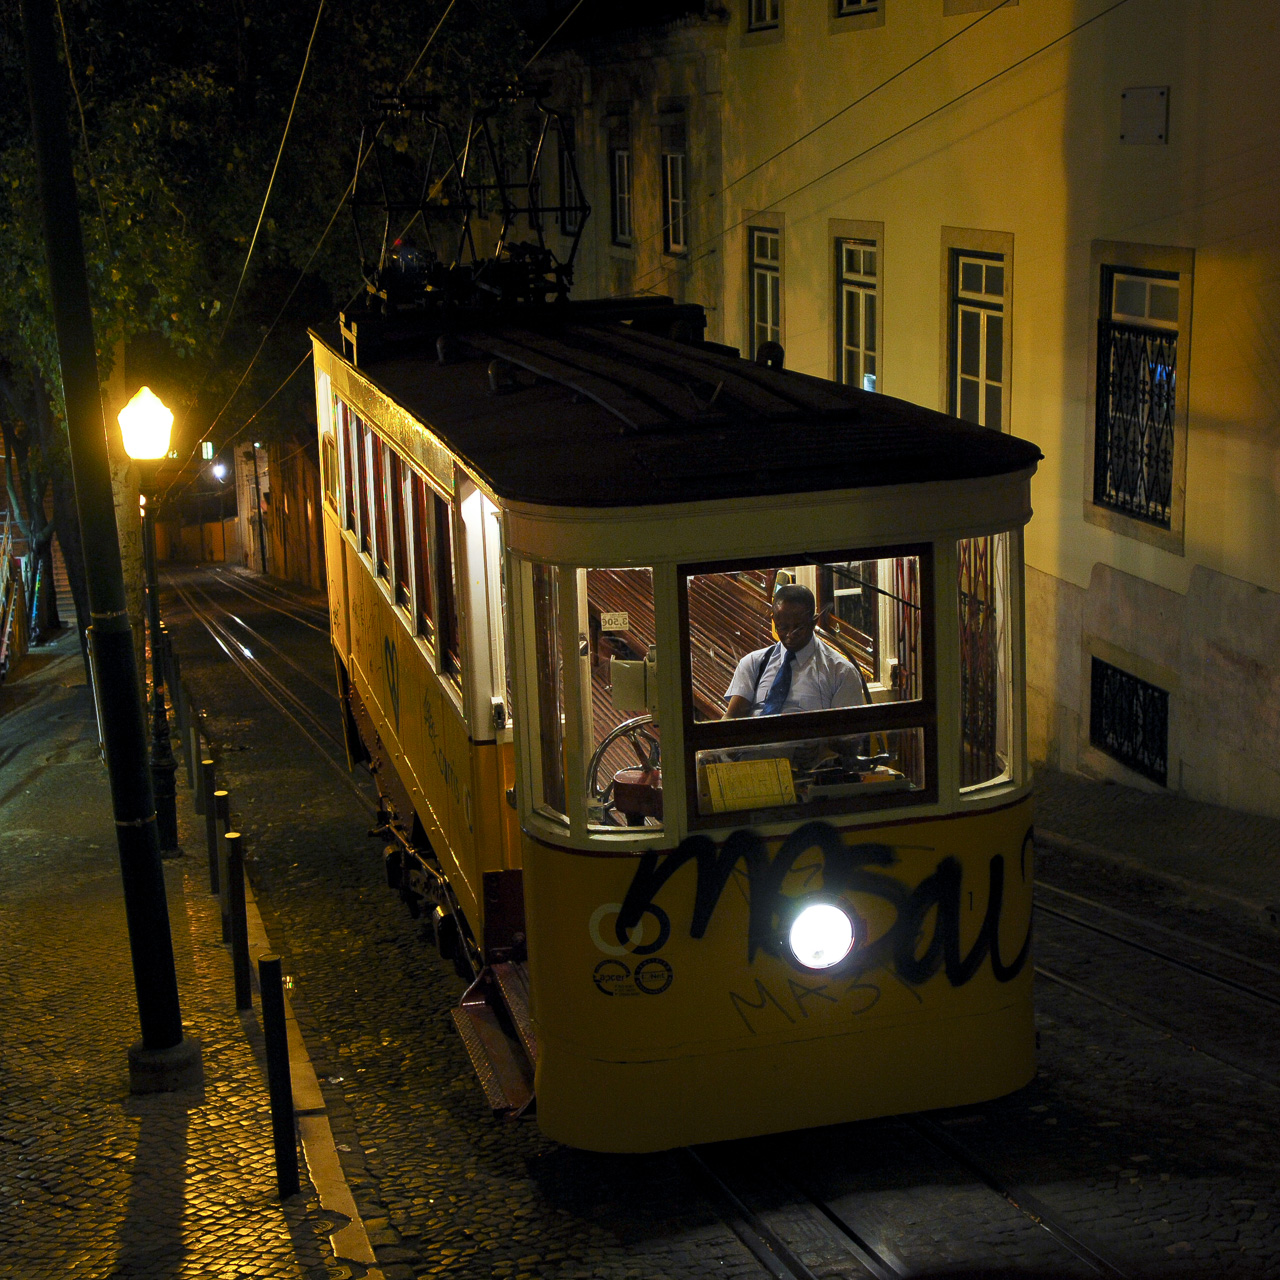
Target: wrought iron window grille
<point>1129,720</point>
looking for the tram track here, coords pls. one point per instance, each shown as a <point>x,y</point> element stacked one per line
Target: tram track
<point>273,689</point>
<point>778,1236</point>
<point>268,599</point>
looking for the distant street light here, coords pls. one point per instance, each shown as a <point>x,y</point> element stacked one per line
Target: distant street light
<point>146,425</point>
<point>219,470</point>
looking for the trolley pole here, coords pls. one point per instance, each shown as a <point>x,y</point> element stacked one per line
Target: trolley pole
<point>162,1060</point>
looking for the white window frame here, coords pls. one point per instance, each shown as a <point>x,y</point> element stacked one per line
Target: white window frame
<point>620,190</point>
<point>763,15</point>
<point>764,271</point>
<point>858,261</point>
<point>675,202</point>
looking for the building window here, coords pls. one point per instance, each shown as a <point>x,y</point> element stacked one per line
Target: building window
<point>675,203</point>
<point>851,8</point>
<point>765,286</point>
<point>1129,720</point>
<point>1137,393</point>
<point>620,194</point>
<point>978,388</point>
<point>571,199</point>
<point>763,15</point>
<point>857,313</point>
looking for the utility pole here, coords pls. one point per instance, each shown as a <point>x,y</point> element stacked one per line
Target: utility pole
<point>262,536</point>
<point>162,1060</point>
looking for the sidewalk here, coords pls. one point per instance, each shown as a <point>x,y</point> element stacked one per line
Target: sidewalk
<point>1210,853</point>
<point>95,1182</point>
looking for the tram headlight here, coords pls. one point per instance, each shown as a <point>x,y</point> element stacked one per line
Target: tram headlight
<point>821,935</point>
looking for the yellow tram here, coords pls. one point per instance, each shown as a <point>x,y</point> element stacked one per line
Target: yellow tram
<point>554,545</point>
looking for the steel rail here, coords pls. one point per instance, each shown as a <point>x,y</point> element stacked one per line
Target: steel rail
<point>1021,1199</point>
<point>1199,970</point>
<point>1225,952</point>
<point>246,668</point>
<point>259,638</point>
<point>276,590</point>
<point>291,614</point>
<point>1136,1015</point>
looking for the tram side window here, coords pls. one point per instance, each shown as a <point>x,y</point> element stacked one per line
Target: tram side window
<point>986,673</point>
<point>329,466</point>
<point>450,649</point>
<point>811,683</point>
<point>549,758</point>
<point>378,453</point>
<point>362,435</point>
<point>344,418</point>
<point>423,541</point>
<point>624,770</point>
<point>396,471</point>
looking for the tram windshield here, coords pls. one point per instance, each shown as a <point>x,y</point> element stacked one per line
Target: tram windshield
<point>811,682</point>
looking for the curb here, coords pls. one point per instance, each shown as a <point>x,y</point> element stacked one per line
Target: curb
<point>1268,914</point>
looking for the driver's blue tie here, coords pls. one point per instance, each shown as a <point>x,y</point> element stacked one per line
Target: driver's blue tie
<point>780,687</point>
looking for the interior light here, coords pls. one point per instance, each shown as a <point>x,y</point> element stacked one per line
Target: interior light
<point>821,935</point>
<point>145,424</point>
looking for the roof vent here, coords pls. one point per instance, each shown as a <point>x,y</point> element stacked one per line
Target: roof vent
<point>770,355</point>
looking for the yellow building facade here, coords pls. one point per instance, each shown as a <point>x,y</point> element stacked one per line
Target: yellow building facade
<point>1054,217</point>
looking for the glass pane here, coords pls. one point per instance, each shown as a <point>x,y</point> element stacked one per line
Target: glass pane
<point>380,504</point>
<point>851,367</point>
<point>851,327</point>
<point>869,374</point>
<point>401,560</point>
<point>625,770</point>
<point>993,407</point>
<point>970,343</point>
<point>549,671</point>
<point>424,608</point>
<point>362,481</point>
<point>995,281</point>
<point>969,399</point>
<point>995,348</point>
<point>1131,298</point>
<point>870,343</point>
<point>1164,302</point>
<point>971,277</point>
<point>775,306</point>
<point>450,652</point>
<point>986,676</point>
<point>868,262</point>
<point>851,257</point>
<point>810,771</point>
<point>795,638</point>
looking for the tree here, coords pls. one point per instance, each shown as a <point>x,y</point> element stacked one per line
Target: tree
<point>179,110</point>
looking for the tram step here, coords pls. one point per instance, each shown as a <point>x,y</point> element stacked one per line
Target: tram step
<point>513,983</point>
<point>505,1074</point>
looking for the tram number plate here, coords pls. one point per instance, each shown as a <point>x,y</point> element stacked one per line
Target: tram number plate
<point>615,622</point>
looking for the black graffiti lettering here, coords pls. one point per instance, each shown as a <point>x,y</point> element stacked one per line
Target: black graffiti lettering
<point>923,938</point>
<point>766,997</point>
<point>871,989</point>
<point>800,993</point>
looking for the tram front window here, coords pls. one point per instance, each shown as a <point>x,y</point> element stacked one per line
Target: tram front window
<point>624,767</point>
<point>811,682</point>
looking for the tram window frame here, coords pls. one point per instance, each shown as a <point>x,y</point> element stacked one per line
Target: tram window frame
<point>378,473</point>
<point>919,713</point>
<point>346,427</point>
<point>363,436</point>
<point>449,644</point>
<point>400,572</point>
<point>329,467</point>
<point>424,540</point>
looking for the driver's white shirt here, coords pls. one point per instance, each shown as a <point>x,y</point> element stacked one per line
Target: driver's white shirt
<point>821,678</point>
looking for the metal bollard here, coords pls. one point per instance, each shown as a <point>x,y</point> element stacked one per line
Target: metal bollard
<point>200,799</point>
<point>239,923</point>
<point>222,809</point>
<point>279,1084</point>
<point>208,784</point>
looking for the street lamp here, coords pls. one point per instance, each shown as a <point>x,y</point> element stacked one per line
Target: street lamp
<point>146,424</point>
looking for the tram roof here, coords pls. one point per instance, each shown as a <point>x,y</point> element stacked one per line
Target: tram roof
<point>605,415</point>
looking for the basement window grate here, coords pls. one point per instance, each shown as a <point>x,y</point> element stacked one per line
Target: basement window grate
<point>1129,721</point>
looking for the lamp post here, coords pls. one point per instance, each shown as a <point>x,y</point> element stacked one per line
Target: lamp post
<point>146,424</point>
<point>164,1059</point>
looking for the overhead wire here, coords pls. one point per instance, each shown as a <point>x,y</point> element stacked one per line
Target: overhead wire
<point>324,235</point>
<point>897,133</point>
<point>329,227</point>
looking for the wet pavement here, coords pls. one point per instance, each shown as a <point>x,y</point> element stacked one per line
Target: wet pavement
<point>1148,1130</point>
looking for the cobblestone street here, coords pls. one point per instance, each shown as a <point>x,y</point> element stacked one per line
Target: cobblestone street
<point>1158,1154</point>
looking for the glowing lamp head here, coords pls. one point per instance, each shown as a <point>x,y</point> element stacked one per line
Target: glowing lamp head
<point>821,935</point>
<point>146,424</point>
<point>219,470</point>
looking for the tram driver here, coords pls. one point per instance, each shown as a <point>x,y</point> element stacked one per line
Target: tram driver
<point>799,673</point>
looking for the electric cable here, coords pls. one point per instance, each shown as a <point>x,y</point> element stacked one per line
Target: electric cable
<point>324,235</point>
<point>906,128</point>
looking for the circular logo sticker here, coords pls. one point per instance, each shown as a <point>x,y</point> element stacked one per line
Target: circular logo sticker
<point>653,976</point>
<point>611,975</point>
